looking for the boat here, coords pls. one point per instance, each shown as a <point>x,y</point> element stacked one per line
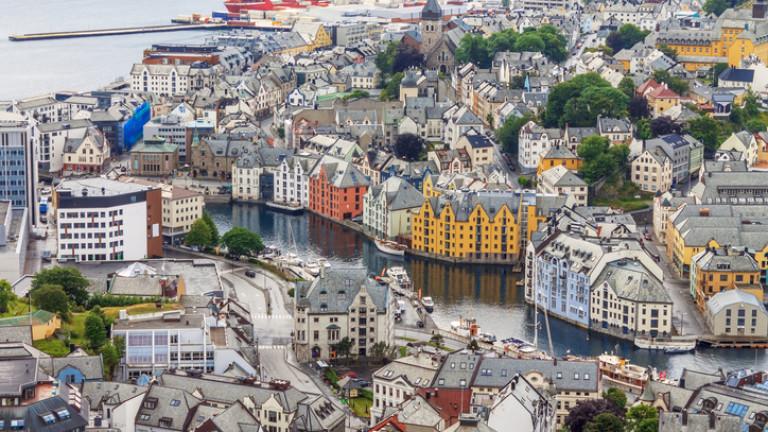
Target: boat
<point>243,6</point>
<point>290,259</point>
<point>390,247</point>
<point>428,303</point>
<point>312,267</point>
<point>619,372</point>
<point>516,345</point>
<point>678,349</point>
<point>488,338</point>
<point>399,276</point>
<point>672,345</point>
<point>465,327</point>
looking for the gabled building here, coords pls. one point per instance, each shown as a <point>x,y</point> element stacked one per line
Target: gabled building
<point>399,381</point>
<point>292,181</point>
<point>336,189</point>
<point>86,154</point>
<point>389,207</point>
<point>534,142</point>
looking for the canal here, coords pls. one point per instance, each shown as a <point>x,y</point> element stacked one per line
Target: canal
<point>488,293</point>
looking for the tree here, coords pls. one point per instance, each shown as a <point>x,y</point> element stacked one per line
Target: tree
<point>707,130</point>
<point>716,7</point>
<point>581,99</point>
<point>642,418</point>
<point>524,182</point>
<point>668,51</point>
<point>391,89</point>
<point>242,241</point>
<point>199,234</point>
<point>379,351</point>
<point>409,146</point>
<point>489,120</point>
<point>638,108</point>
<point>212,226</point>
<point>627,86</point>
<point>473,345</point>
<point>6,295</point>
<point>95,331</point>
<point>756,125</point>
<point>664,126</point>
<point>344,347</point>
<point>529,42</point>
<point>678,85</point>
<point>52,298</point>
<point>625,37</point>
<point>68,278</point>
<point>509,133</point>
<point>473,49</point>
<point>437,339</point>
<point>751,106</point>
<point>586,410</point>
<point>599,161</point>
<point>717,69</point>
<point>643,129</point>
<point>356,94</point>
<point>616,397</point>
<point>385,59</point>
<point>110,355</point>
<point>605,422</point>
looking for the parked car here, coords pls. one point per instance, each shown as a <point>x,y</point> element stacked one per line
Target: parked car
<point>47,255</point>
<point>250,273</point>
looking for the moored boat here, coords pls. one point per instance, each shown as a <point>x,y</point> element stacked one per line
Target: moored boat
<point>465,327</point>
<point>621,373</point>
<point>390,247</point>
<point>428,304</point>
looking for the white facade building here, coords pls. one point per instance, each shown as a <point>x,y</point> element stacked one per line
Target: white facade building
<point>399,380</point>
<point>534,142</point>
<point>388,207</point>
<point>291,184</point>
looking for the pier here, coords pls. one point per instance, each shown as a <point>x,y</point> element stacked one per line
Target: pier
<point>116,31</point>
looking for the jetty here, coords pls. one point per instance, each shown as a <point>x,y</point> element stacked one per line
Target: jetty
<point>116,31</point>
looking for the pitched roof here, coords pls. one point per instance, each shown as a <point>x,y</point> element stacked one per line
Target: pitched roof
<point>431,11</point>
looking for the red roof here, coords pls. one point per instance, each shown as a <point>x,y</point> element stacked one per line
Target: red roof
<point>448,402</point>
<point>656,90</point>
<point>391,421</point>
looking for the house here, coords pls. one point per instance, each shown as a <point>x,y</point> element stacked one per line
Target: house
<point>736,313</point>
<point>451,161</point>
<point>336,189</point>
<point>744,143</point>
<point>214,156</point>
<point>154,157</point>
<point>561,181</point>
<point>660,97</point>
<point>458,121</point>
<point>43,324</point>
<point>522,405</point>
<point>715,270</point>
<point>389,207</point>
<point>618,131</point>
<point>314,34</point>
<point>291,185</point>
<point>342,306</point>
<point>685,151</point>
<point>534,142</point>
<point>480,148</point>
<point>85,154</point>
<point>652,170</point>
<point>399,381</point>
<point>115,403</point>
<point>559,155</point>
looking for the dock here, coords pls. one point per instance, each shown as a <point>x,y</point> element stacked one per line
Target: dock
<point>116,31</point>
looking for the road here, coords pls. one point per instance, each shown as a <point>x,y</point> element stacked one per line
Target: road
<point>261,295</point>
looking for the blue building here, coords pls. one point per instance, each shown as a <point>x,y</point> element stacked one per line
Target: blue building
<point>77,368</point>
<point>123,122</point>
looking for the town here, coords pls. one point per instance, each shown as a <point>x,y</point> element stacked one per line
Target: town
<point>611,155</point>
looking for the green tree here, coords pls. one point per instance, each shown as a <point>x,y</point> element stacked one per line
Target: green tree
<point>356,94</point>
<point>668,51</point>
<point>581,99</point>
<point>409,146</point>
<point>281,132</point>
<point>51,298</point>
<point>525,182</point>
<point>473,49</point>
<point>707,130</point>
<point>678,85</point>
<point>385,59</point>
<point>473,345</point>
<point>717,69</point>
<point>616,397</point>
<point>530,42</point>
<point>642,418</point>
<point>212,226</point>
<point>756,125</point>
<point>242,241</point>
<point>6,295</point>
<point>716,7</point>
<point>437,340</point>
<point>489,120</point>
<point>199,234</point>
<point>68,278</point>
<point>391,90</point>
<point>625,37</point>
<point>344,347</point>
<point>605,422</point>
<point>643,129</point>
<point>599,161</point>
<point>627,86</point>
<point>751,106</point>
<point>111,358</point>
<point>509,133</point>
<point>95,331</point>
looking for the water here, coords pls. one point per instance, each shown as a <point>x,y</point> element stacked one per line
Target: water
<point>33,68</point>
<point>488,293</point>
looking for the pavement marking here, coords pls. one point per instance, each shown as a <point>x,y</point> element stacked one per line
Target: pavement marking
<point>275,347</point>
<point>273,316</point>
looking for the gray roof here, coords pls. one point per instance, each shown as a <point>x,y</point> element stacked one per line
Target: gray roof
<point>172,408</point>
<point>458,370</point>
<point>418,370</point>
<point>20,333</point>
<point>613,125</point>
<point>18,369</point>
<point>399,194</point>
<point>674,396</point>
<point>236,418</point>
<point>64,417</point>
<point>734,187</point>
<point>89,365</point>
<point>632,281</point>
<point>674,422</point>
<point>723,299</point>
<point>730,259</point>
<point>169,320</point>
<point>492,202</point>
<point>581,376</point>
<point>334,292</point>
<point>110,393</point>
<point>431,10</point>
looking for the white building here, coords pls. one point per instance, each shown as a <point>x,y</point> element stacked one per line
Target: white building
<point>246,178</point>
<point>388,207</point>
<point>291,183</point>
<point>521,405</point>
<point>457,122</point>
<point>560,180</point>
<point>171,80</point>
<point>534,142</point>
<point>399,380</point>
<point>172,128</point>
<point>19,138</point>
<point>99,219</point>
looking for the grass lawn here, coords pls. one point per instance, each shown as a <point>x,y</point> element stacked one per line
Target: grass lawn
<point>623,195</point>
<point>16,307</point>
<point>627,204</point>
<point>361,406</point>
<point>53,347</point>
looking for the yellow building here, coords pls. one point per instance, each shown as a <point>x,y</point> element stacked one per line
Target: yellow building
<point>314,33</point>
<point>476,226</point>
<point>44,324</point>
<point>559,155</point>
<point>721,269</point>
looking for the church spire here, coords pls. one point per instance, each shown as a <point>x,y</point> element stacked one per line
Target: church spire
<point>432,11</point>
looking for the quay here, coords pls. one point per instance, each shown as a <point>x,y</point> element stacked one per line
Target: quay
<point>116,31</point>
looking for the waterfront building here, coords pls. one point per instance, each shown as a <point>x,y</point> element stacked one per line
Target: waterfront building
<point>246,176</point>
<point>336,189</point>
<point>389,207</point>
<point>694,228</point>
<point>565,382</point>
<point>172,79</point>
<point>233,60</point>
<point>52,139</point>
<point>736,313</point>
<point>535,141</point>
<point>154,157</point>
<point>105,220</point>
<point>399,381</point>
<point>292,181</point>
<point>560,181</point>
<point>342,306</point>
<point>715,270</point>
<point>651,171</point>
<point>559,155</point>
<point>18,173</point>
<point>214,156</point>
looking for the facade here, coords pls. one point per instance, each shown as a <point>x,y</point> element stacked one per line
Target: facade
<point>246,178</point>
<point>664,206</point>
<point>560,181</point>
<point>172,129</point>
<point>336,189</point>
<point>181,208</point>
<point>715,270</point>
<point>18,173</point>
<point>338,306</point>
<point>559,156</point>
<point>522,405</point>
<point>52,139</point>
<point>618,131</point>
<point>389,207</point>
<point>399,380</point>
<point>660,97</point>
<point>86,154</point>
<point>107,220</point>
<point>534,142</point>
<point>292,181</point>
<point>652,170</point>
<point>170,79</point>
<point>154,157</point>
<point>479,147</point>
<point>685,152</point>
<point>736,313</point>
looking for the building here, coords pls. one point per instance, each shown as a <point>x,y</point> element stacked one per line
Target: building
<point>476,226</point>
<point>399,381</point>
<point>14,237</point>
<point>534,142</point>
<point>292,181</point>
<point>171,79</point>
<point>560,181</point>
<point>652,170</point>
<point>665,205</point>
<point>214,156</point>
<point>459,121</point>
<point>105,220</point>
<point>43,323</point>
<point>86,154</point>
<point>732,187</point>
<point>50,414</point>
<point>744,143</point>
<point>685,152</point>
<point>154,157</point>
<point>480,148</point>
<point>314,34</point>
<point>340,306</point>
<point>522,405</point>
<point>389,207</point>
<point>736,313</point>
<point>559,155</point>
<point>246,178</point>
<point>18,172</point>
<point>172,129</point>
<point>618,131</point>
<point>715,270</point>
<point>52,139</point>
<point>660,97</point>
<point>337,189</point>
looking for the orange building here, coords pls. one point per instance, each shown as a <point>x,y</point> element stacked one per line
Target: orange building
<point>336,189</point>
<point>559,155</point>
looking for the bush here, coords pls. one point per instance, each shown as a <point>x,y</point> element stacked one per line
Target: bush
<point>108,300</point>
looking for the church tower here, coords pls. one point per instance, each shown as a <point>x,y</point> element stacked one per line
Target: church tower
<point>431,25</point>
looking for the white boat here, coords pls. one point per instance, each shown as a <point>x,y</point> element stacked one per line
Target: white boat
<point>465,327</point>
<point>428,303</point>
<point>399,276</point>
<point>673,345</point>
<point>324,262</point>
<point>390,247</point>
<point>312,267</point>
<point>487,337</point>
<point>290,259</point>
<point>678,349</point>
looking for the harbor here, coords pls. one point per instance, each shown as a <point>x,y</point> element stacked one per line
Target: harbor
<point>116,31</point>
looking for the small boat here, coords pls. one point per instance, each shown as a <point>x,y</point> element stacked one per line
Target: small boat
<point>466,327</point>
<point>390,247</point>
<point>290,259</point>
<point>398,275</point>
<point>515,345</point>
<point>621,373</point>
<point>428,303</point>
<point>488,338</point>
<point>678,349</point>
<point>312,267</point>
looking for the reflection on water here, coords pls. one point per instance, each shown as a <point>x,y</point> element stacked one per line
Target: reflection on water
<point>488,293</point>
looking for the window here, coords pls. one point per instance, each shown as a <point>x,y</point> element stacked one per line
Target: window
<point>175,402</point>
